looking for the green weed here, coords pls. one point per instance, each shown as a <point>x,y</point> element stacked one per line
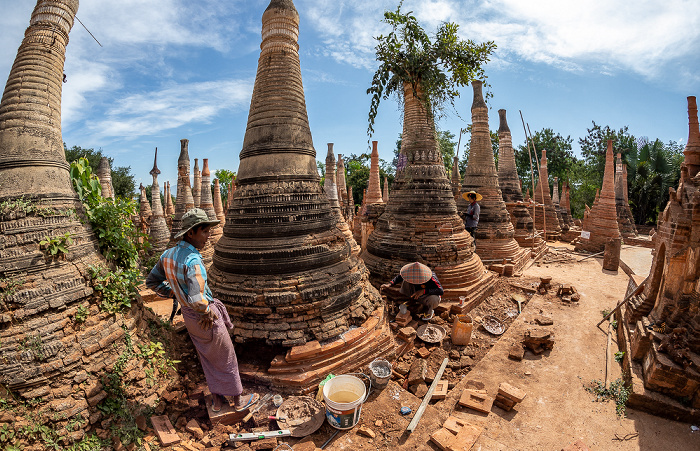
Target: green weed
<point>617,392</point>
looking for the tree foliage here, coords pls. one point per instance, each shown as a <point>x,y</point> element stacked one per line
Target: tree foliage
<point>560,157</point>
<point>438,66</point>
<point>225,178</point>
<point>122,178</point>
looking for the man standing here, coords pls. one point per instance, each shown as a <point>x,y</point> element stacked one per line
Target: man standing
<point>473,210</point>
<point>180,273</point>
<point>421,284</point>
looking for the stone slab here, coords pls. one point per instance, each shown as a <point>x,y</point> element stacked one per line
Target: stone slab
<point>165,430</point>
<point>477,400</point>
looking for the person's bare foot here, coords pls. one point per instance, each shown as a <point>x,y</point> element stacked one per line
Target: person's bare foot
<point>242,402</point>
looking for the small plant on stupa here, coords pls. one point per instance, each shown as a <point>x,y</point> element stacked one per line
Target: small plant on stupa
<point>57,246</point>
<point>435,67</point>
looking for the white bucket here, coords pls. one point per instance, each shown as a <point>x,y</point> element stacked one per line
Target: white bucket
<point>344,396</point>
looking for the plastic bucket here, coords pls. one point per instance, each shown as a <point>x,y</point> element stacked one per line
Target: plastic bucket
<point>462,330</point>
<point>380,373</point>
<point>344,396</point>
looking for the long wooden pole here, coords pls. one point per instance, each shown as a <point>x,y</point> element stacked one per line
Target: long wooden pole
<point>539,172</point>
<point>426,399</point>
<point>532,180</point>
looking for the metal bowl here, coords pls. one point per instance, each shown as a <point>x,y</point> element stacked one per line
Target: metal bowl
<point>431,333</point>
<point>493,325</point>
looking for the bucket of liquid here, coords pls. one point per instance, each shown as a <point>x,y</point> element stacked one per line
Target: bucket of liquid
<point>344,396</point>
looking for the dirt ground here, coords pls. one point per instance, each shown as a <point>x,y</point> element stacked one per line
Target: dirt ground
<point>557,410</point>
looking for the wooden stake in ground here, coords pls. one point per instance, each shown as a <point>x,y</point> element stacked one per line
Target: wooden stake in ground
<point>608,355</point>
<point>419,413</point>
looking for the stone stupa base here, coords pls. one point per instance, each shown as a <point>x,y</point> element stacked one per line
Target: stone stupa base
<point>301,369</point>
<point>497,254</point>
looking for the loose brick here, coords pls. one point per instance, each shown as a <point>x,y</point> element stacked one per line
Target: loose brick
<point>513,393</point>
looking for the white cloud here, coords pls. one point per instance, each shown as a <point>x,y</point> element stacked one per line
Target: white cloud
<point>173,106</point>
<point>602,36</point>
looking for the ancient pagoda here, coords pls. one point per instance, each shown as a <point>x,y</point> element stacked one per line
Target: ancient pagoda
<point>420,221</point>
<point>104,173</point>
<point>625,220</point>
<point>44,353</point>
<point>456,179</point>
<point>183,200</point>
<point>545,213</point>
<point>495,242</point>
<point>206,203</point>
<point>197,184</point>
<point>218,205</point>
<point>373,203</point>
<point>509,182</point>
<point>284,267</point>
<point>158,235</point>
<point>661,337</point>
<point>602,221</point>
<point>145,211</point>
<point>330,187</point>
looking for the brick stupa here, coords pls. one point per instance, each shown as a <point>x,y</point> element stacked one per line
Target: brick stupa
<point>421,222</point>
<point>145,212</point>
<point>509,181</point>
<point>206,203</point>
<point>602,220</point>
<point>545,214</point>
<point>661,363</point>
<point>219,205</point>
<point>625,220</point>
<point>284,267</point>
<point>557,206</point>
<point>197,184</point>
<point>456,179</point>
<point>104,173</point>
<point>183,199</point>
<point>330,187</point>
<point>373,203</point>
<point>495,235</point>
<point>47,359</point>
<point>158,235</point>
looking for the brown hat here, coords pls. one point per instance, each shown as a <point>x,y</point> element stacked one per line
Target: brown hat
<point>416,273</point>
<point>193,218</point>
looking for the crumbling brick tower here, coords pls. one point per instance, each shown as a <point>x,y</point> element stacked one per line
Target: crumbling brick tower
<point>184,200</point>
<point>330,187</point>
<point>511,190</point>
<point>602,221</point>
<point>44,356</point>
<point>420,221</point>
<point>663,333</point>
<point>494,234</point>
<point>625,220</point>
<point>372,203</point>
<point>158,235</point>
<point>545,212</point>
<point>104,173</point>
<point>283,267</point>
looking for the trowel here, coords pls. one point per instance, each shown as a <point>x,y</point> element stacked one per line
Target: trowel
<point>519,298</point>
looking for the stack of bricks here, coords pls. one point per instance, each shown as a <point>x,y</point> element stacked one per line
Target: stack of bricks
<point>494,234</point>
<point>545,214</point>
<point>283,267</point>
<point>158,235</point>
<point>511,189</point>
<point>508,396</point>
<point>456,434</point>
<point>183,200</point>
<point>420,221</point>
<point>664,357</point>
<point>625,220</point>
<point>602,221</point>
<point>48,362</point>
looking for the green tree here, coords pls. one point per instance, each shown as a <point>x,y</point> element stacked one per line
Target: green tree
<point>560,158</point>
<point>122,178</point>
<point>594,146</point>
<point>436,67</point>
<point>225,177</point>
<point>653,168</point>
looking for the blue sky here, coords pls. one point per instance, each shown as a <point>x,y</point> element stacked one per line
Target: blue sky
<point>172,69</point>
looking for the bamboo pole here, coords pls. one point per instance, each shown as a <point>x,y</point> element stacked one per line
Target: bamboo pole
<point>419,413</point>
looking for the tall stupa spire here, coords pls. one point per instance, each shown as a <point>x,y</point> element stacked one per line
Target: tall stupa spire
<point>374,188</point>
<point>158,235</point>
<point>495,235</point>
<point>283,266</point>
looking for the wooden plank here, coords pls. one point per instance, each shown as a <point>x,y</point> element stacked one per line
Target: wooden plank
<point>416,418</point>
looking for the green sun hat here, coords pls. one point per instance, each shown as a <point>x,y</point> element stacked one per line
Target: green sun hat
<point>193,218</point>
